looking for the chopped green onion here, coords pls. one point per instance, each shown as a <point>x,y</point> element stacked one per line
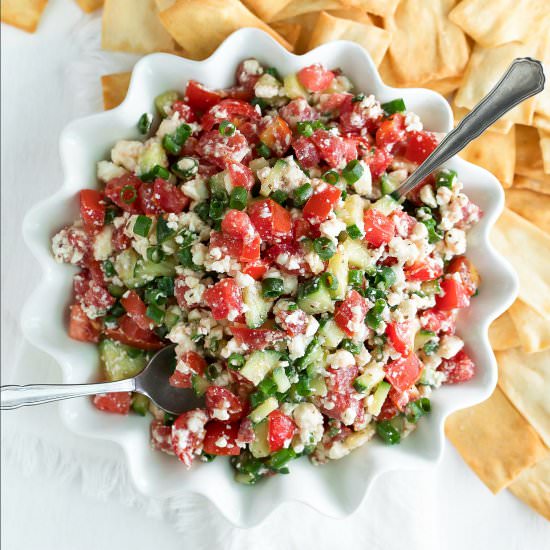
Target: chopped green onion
<point>109,268</point>
<point>394,106</point>
<point>304,128</point>
<point>207,458</point>
<point>157,172</point>
<point>154,296</point>
<point>155,314</point>
<point>351,346</point>
<point>329,280</point>
<point>155,254</point>
<point>235,361</point>
<point>308,287</point>
<point>430,347</point>
<point>110,214</point>
<point>110,321</point>
<point>353,171</point>
<point>185,258</point>
<point>164,101</point>
<point>227,128</point>
<point>331,176</point>
<point>117,310</point>
<point>279,459</point>
<point>279,196</point>
<point>217,205</point>
<point>302,194</point>
<point>273,72</point>
<point>445,178</point>
<point>170,144</point>
<point>356,278</point>
<point>324,247</point>
<point>163,231</point>
<point>257,398</point>
<point>142,225</point>
<point>418,408</point>
<point>203,211</point>
<point>258,101</point>
<point>212,372</point>
<point>238,198</point>
<point>302,387</point>
<point>374,294</point>
<point>263,150</point>
<point>186,167</point>
<point>374,315</point>
<point>434,235</point>
<point>388,432</point>
<point>116,291</point>
<point>358,98</point>
<point>144,123</point>
<point>385,277</point>
<point>268,386</point>
<point>174,142</point>
<point>354,232</point>
<point>128,194</point>
<point>272,287</point>
<point>166,285</point>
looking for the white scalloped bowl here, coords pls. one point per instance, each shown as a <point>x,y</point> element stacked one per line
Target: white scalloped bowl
<point>337,488</point>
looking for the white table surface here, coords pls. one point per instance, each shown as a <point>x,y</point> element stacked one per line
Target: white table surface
<point>39,76</point>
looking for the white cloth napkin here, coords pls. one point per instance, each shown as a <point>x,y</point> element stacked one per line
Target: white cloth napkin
<point>61,83</point>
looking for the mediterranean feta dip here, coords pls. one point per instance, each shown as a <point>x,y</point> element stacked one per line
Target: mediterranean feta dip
<point>254,227</point>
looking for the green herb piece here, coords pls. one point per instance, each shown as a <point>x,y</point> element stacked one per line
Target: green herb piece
<point>353,171</point>
<point>324,247</point>
<point>238,198</point>
<point>388,432</point>
<point>142,226</point>
<point>272,287</point>
<point>144,123</point>
<point>394,106</point>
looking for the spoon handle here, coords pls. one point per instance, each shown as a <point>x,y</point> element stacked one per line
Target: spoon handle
<point>523,79</point>
<point>12,397</point>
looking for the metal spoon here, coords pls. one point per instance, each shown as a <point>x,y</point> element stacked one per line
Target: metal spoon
<point>152,381</point>
<point>523,79</point>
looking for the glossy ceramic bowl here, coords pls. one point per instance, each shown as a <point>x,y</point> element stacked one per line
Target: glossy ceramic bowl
<point>337,488</point>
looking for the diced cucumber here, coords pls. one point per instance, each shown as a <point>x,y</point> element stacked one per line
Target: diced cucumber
<point>262,410</point>
<point>125,265</point>
<point>164,101</point>
<point>352,211</point>
<point>338,266</point>
<point>315,298</point>
<point>258,307</point>
<point>386,205</point>
<point>220,183</point>
<point>332,335</point>
<point>422,337</point>
<point>293,88</point>
<point>140,404</point>
<point>358,255</point>
<point>314,358</point>
<point>369,379</point>
<point>199,384</point>
<point>387,185</point>
<point>275,175</point>
<point>146,270</point>
<point>318,386</point>
<point>172,316</point>
<point>259,365</point>
<point>378,398</point>
<point>431,287</point>
<point>281,379</point>
<point>271,82</point>
<point>151,155</point>
<point>260,446</point>
<point>119,361</point>
<point>339,84</point>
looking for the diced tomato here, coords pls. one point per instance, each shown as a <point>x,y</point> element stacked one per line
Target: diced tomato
<point>218,149</point>
<point>123,191</point>
<point>184,110</point>
<point>379,229</point>
<point>436,320</point>
<point>401,336</point>
<point>378,160</point>
<point>237,224</point>
<point>332,149</point>
<point>170,198</point>
<point>128,332</point>
<point>251,249</point>
<point>391,131</point>
<point>221,438</point>
<point>245,78</point>
<point>289,257</point>
<point>223,404</point>
<point>320,205</point>
<point>280,429</point>
<point>343,406</point>
<point>148,202</point>
<point>246,432</point>
<point>402,398</point>
<point>427,269</point>
<point>454,295</point>
<point>298,110</point>
<point>467,271</point>
<point>306,152</point>
<point>315,78</point>
<point>120,240</point>
<point>420,146</point>
<point>402,373</point>
<point>224,299</point>
<point>256,338</point>
<point>240,174</point>
<point>340,379</point>
<point>388,411</point>
<point>294,322</point>
<point>302,228</point>
<point>199,97</point>
<point>350,314</point>
<point>188,433</point>
<point>458,369</point>
<point>256,269</point>
<point>404,224</point>
<point>335,104</point>
<point>244,251</point>
<point>180,289</point>
<point>271,220</point>
<point>161,437</point>
<point>92,210</point>
<point>118,403</point>
<point>136,309</point>
<point>188,365</point>
<point>81,327</point>
<point>228,109</point>
<point>350,149</point>
<point>91,294</point>
<point>359,116</point>
<point>276,134</point>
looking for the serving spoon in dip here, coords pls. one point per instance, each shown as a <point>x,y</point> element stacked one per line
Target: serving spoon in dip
<point>523,79</point>
<point>152,381</point>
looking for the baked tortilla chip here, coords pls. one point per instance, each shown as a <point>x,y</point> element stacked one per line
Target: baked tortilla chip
<point>521,182</point>
<point>23,14</point>
<point>266,9</point>
<point>130,26</point>
<point>329,28</point>
<point>492,23</point>
<point>289,31</point>
<point>545,150</point>
<point>444,86</point>
<point>115,87</point>
<point>307,24</point>
<point>503,334</point>
<point>501,126</point>
<point>495,440</point>
<point>529,161</point>
<point>199,26</point>
<point>494,152</point>
<point>533,487</point>
<point>532,206</point>
<point>541,122</point>
<point>384,8</point>
<point>355,14</point>
<point>426,46</point>
<point>527,248</point>
<point>532,329</point>
<point>485,68</point>
<point>302,7</point>
<point>89,6</point>
<point>525,379</point>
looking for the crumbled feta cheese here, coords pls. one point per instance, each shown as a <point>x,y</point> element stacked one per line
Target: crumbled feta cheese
<point>268,87</point>
<point>449,346</point>
<point>404,250</point>
<point>309,421</point>
<point>126,154</point>
<point>413,123</point>
<point>315,263</point>
<point>103,246</point>
<point>195,189</point>
<point>427,196</point>
<point>340,359</point>
<point>363,186</point>
<point>331,228</point>
<point>69,250</point>
<point>107,170</point>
